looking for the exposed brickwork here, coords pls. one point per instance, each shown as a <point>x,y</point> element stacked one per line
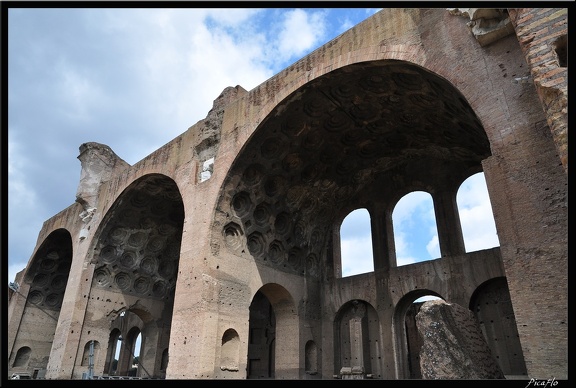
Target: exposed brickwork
<point>407,100</point>
<point>537,30</point>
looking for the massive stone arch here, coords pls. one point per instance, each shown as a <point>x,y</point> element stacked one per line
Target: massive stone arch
<point>45,281</point>
<point>136,256</point>
<point>344,137</point>
<point>361,135</point>
<point>366,118</point>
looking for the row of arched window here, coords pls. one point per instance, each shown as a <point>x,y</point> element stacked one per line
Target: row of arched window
<point>415,231</point>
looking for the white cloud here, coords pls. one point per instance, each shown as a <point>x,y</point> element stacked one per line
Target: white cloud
<point>415,234</point>
<point>18,191</point>
<point>410,204</point>
<point>186,58</point>
<point>357,256</point>
<point>476,217</point>
<point>433,247</point>
<point>405,260</point>
<point>356,243</point>
<point>77,92</point>
<point>237,18</point>
<point>400,243</point>
<point>300,32</point>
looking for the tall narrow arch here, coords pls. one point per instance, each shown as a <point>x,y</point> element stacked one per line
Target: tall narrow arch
<point>114,344</point>
<point>261,335</point>
<point>164,360</point>
<point>407,341</point>
<point>357,344</point>
<point>492,306</point>
<point>136,254</point>
<point>90,353</point>
<point>415,231</point>
<point>22,357</point>
<point>476,217</point>
<point>47,276</point>
<point>273,325</point>
<point>356,243</point>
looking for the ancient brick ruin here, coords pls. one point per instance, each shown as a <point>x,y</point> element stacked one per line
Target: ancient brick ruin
<point>221,249</point>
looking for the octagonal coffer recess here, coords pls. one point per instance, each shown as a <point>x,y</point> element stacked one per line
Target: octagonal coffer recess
<point>139,248</point>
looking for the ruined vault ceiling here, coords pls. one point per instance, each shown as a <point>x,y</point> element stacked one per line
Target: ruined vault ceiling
<point>329,141</point>
<point>49,271</point>
<point>139,249</point>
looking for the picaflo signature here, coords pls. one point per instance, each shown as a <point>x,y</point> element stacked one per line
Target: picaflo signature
<point>542,383</point>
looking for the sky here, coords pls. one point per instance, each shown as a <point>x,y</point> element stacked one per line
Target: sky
<point>134,79</point>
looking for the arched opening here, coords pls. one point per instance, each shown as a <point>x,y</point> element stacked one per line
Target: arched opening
<point>22,357</point>
<point>164,361</point>
<point>476,217</point>
<point>407,338</point>
<point>357,341</point>
<point>360,136</point>
<point>415,231</point>
<point>127,344</point>
<point>114,345</point>
<point>492,306</point>
<point>136,254</point>
<point>356,243</point>
<point>261,335</point>
<point>90,353</point>
<point>354,137</point>
<point>273,325</point>
<point>413,338</point>
<point>561,50</point>
<point>47,276</point>
<point>132,344</point>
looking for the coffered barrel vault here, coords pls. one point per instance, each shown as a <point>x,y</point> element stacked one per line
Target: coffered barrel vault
<point>220,252</point>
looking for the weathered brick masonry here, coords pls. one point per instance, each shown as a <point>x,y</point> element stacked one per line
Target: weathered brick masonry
<point>221,249</point>
<point>543,37</point>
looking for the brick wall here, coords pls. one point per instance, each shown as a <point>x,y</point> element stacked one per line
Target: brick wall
<point>542,33</point>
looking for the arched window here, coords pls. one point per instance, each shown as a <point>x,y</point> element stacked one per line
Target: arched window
<point>86,354</point>
<point>114,344</point>
<point>476,217</point>
<point>356,243</point>
<point>133,344</point>
<point>22,357</point>
<point>415,231</point>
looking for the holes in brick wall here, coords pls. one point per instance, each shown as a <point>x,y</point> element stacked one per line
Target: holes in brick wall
<point>561,47</point>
